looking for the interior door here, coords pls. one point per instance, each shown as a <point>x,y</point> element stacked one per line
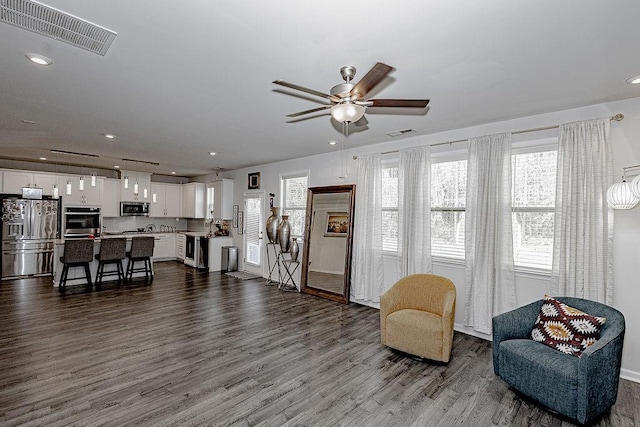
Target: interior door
<point>253,230</point>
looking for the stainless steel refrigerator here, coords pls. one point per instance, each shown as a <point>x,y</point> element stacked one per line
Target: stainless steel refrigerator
<point>29,230</point>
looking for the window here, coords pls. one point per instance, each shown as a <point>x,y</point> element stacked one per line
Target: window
<point>448,198</point>
<point>534,192</point>
<point>294,201</point>
<point>390,208</point>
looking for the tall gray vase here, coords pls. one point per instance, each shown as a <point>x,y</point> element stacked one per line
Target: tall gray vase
<point>272,225</point>
<point>284,232</point>
<point>294,249</point>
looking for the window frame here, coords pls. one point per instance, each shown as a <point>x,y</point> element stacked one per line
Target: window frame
<point>528,147</point>
<point>391,164</point>
<point>283,188</point>
<point>446,157</point>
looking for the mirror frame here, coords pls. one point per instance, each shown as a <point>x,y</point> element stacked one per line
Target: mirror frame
<point>311,191</point>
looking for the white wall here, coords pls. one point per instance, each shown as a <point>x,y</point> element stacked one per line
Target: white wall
<point>625,138</point>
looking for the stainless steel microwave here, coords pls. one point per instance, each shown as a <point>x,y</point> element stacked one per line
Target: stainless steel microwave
<point>134,209</point>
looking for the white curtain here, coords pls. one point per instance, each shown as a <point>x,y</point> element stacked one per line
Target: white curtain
<point>414,210</point>
<point>489,273</point>
<point>582,244</point>
<point>367,275</point>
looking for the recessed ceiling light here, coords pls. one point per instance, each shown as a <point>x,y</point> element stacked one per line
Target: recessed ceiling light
<point>38,59</point>
<point>332,142</point>
<point>116,167</point>
<point>109,135</point>
<point>633,80</point>
<point>173,172</point>
<point>29,122</point>
<point>212,153</point>
<point>43,158</point>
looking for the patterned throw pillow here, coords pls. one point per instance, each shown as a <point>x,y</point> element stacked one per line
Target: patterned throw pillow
<point>565,328</point>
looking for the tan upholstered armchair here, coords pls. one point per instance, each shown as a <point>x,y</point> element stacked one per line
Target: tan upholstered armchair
<point>416,316</point>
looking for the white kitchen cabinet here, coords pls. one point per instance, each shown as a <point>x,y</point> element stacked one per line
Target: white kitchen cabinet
<point>164,247</point>
<point>90,196</point>
<point>166,200</point>
<point>222,198</point>
<point>14,181</point>
<point>194,200</point>
<point>215,251</point>
<point>128,194</point>
<point>110,198</point>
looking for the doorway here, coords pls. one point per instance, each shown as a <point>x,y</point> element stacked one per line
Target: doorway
<point>253,230</point>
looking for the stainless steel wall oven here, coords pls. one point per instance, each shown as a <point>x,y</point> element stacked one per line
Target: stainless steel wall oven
<point>81,222</point>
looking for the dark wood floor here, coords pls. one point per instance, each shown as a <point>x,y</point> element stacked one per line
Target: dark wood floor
<point>206,349</point>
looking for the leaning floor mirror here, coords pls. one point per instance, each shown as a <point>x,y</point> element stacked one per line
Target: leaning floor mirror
<point>326,258</point>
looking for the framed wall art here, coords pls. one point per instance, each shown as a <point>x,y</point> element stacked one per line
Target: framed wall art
<point>235,216</point>
<point>337,224</point>
<point>253,181</point>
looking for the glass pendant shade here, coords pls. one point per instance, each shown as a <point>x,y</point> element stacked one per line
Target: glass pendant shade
<point>620,196</point>
<point>135,188</point>
<point>347,113</point>
<point>55,192</point>
<point>635,186</point>
<point>81,184</point>
<point>68,187</point>
<point>154,198</point>
<point>93,179</point>
<point>144,192</point>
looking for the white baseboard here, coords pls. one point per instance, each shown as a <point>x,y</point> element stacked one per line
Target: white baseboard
<point>630,375</point>
<point>469,331</point>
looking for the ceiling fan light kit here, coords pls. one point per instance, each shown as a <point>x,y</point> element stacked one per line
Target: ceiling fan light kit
<point>348,103</point>
<point>347,112</point>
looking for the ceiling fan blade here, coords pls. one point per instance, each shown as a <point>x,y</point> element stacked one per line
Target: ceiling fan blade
<point>370,80</point>
<point>307,90</point>
<point>313,110</point>
<point>404,103</point>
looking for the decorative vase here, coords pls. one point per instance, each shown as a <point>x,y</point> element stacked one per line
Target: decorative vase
<point>284,231</point>
<point>294,249</point>
<point>272,225</point>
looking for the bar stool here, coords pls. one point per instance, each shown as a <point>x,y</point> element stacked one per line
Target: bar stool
<point>77,253</point>
<point>112,251</point>
<point>141,250</point>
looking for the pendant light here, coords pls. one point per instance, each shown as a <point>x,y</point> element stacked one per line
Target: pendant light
<point>154,198</point>
<point>145,193</point>
<point>55,192</point>
<point>68,180</point>
<point>126,182</point>
<point>620,194</point>
<point>93,179</point>
<point>635,186</point>
<point>81,184</point>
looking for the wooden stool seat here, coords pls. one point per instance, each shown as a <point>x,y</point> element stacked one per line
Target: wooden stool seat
<point>77,253</point>
<point>141,250</point>
<point>112,251</point>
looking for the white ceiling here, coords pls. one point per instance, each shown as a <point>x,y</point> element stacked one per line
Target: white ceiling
<point>185,78</point>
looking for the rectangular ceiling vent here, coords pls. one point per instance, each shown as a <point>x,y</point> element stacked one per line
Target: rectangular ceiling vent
<point>401,132</point>
<point>50,22</point>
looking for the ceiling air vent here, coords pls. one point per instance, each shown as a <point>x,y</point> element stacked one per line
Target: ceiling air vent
<point>50,22</point>
<point>401,132</point>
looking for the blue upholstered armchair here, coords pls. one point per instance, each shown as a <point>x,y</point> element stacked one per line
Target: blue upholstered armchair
<point>581,388</point>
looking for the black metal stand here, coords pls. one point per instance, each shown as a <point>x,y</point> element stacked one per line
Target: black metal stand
<point>289,283</point>
<point>272,267</point>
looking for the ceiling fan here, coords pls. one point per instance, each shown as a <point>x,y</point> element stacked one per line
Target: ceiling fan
<point>347,99</point>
